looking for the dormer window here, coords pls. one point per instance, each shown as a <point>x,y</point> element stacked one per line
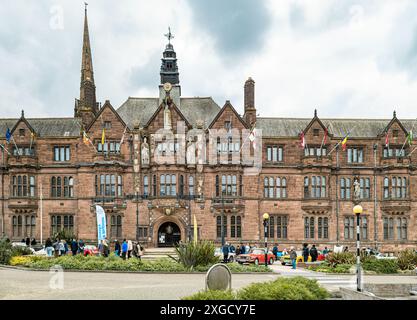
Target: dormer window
<point>395,133</point>
<point>316,132</point>
<point>21,132</point>
<point>228,125</point>
<point>107,124</point>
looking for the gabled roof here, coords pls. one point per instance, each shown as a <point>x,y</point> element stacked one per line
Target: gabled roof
<point>48,127</point>
<point>359,128</point>
<point>193,109</point>
<point>161,107</point>
<point>107,104</point>
<point>394,120</point>
<point>228,105</point>
<point>22,119</point>
<point>315,119</point>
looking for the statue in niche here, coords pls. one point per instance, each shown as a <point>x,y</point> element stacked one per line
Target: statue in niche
<point>190,151</point>
<point>356,189</point>
<point>200,188</point>
<point>167,117</point>
<point>145,152</point>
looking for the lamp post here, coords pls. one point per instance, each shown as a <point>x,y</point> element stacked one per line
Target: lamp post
<point>137,215</point>
<point>357,210</point>
<point>266,219</point>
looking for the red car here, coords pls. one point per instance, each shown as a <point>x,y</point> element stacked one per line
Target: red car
<point>90,251</point>
<point>256,256</point>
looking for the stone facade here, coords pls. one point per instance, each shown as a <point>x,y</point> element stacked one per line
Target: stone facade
<point>134,193</point>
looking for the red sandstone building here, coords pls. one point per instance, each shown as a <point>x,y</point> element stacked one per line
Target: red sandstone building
<point>52,177</point>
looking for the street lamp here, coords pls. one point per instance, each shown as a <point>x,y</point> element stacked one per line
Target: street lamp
<point>266,219</point>
<point>357,210</point>
<point>137,215</point>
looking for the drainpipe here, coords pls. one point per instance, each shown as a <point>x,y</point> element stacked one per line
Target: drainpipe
<point>2,195</point>
<point>337,197</point>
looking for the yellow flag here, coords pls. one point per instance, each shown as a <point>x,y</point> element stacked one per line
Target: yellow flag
<point>195,230</point>
<point>103,136</point>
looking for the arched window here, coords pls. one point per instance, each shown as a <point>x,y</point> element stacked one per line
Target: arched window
<point>145,185</point>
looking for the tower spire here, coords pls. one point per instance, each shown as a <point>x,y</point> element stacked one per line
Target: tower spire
<point>86,107</point>
<point>169,68</point>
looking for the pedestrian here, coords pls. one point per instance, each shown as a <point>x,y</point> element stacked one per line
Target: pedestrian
<point>306,252</point>
<point>345,249</point>
<point>275,251</point>
<point>242,249</point>
<point>74,247</point>
<point>247,248</point>
<point>125,248</point>
<point>27,241</point>
<point>63,248</point>
<point>226,251</point>
<point>101,248</point>
<point>237,250</point>
<point>106,249</point>
<point>313,253</point>
<point>117,248</point>
<point>293,257</point>
<point>140,251</point>
<point>129,249</point>
<point>81,247</point>
<point>48,247</point>
<point>33,242</point>
<point>232,248</point>
<point>56,247</point>
<point>325,251</point>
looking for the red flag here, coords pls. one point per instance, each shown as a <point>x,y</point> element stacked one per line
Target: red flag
<point>302,140</point>
<point>387,140</point>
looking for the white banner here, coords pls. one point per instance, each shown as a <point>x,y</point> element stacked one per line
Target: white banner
<point>101,223</point>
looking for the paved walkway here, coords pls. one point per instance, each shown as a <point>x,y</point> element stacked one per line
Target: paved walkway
<point>23,284</point>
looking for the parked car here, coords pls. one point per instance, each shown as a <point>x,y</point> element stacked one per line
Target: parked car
<point>256,256</point>
<point>285,259</point>
<point>41,252</point>
<point>90,250</point>
<point>219,253</point>
<point>23,245</point>
<point>381,256</point>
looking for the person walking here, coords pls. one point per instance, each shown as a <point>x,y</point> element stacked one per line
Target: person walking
<point>74,247</point>
<point>275,251</point>
<point>225,250</point>
<point>237,250</point>
<point>313,253</point>
<point>293,257</point>
<point>129,249</point>
<point>140,251</point>
<point>125,248</point>
<point>325,251</point>
<point>62,248</point>
<point>27,241</point>
<point>48,247</point>
<point>106,249</point>
<point>306,252</point>
<point>117,248</point>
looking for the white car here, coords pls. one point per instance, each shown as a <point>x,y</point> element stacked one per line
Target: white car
<point>381,256</point>
<point>219,253</point>
<point>23,245</point>
<point>41,252</point>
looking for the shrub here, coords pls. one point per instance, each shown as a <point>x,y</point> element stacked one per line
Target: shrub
<point>407,259</point>
<point>212,295</point>
<point>334,259</point>
<point>380,265</point>
<point>297,288</point>
<point>20,251</point>
<point>193,254</point>
<point>5,251</point>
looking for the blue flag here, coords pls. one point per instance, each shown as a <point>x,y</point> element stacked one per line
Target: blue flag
<point>8,135</point>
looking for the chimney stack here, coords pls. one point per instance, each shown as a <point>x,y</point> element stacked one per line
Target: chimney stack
<point>249,102</point>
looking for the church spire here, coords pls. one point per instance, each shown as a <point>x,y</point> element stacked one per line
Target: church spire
<point>169,68</point>
<point>86,107</point>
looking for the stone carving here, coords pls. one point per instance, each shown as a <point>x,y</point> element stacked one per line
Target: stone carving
<point>167,118</point>
<point>200,188</point>
<point>145,152</point>
<point>356,189</point>
<point>190,151</point>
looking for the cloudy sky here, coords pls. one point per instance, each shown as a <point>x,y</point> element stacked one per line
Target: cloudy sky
<point>346,58</point>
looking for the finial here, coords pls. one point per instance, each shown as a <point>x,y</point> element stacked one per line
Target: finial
<point>23,113</point>
<point>315,112</point>
<point>85,4</point>
<point>394,114</point>
<point>169,35</point>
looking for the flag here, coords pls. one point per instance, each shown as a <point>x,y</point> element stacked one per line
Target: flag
<point>344,142</point>
<point>4,148</point>
<point>195,230</point>
<point>387,140</point>
<point>302,140</point>
<point>410,137</point>
<point>32,138</point>
<point>8,135</point>
<point>86,139</point>
<point>103,136</point>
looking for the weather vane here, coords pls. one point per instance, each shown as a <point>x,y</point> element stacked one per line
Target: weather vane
<point>169,35</point>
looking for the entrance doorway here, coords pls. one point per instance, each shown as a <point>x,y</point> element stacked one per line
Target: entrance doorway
<point>169,235</point>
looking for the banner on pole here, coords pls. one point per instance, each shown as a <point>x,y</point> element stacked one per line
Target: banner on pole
<point>101,223</point>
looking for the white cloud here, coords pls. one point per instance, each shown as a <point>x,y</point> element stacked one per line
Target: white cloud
<point>345,58</point>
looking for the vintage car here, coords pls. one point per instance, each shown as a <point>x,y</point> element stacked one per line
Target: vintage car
<point>256,256</point>
<point>90,250</point>
<point>285,259</point>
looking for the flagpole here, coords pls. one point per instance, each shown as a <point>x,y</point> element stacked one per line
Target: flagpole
<point>4,148</point>
<point>412,151</point>
<point>18,151</point>
<point>246,139</point>
<point>41,211</point>
<point>347,135</point>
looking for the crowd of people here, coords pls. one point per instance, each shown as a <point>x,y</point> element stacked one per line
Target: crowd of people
<point>125,250</point>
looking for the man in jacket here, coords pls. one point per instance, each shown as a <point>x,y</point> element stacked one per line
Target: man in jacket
<point>74,247</point>
<point>313,253</point>
<point>306,252</point>
<point>225,250</point>
<point>124,249</point>
<point>293,257</point>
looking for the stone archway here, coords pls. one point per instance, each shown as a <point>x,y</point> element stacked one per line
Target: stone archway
<point>168,231</point>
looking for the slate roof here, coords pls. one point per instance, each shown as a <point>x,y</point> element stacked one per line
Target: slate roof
<point>363,128</point>
<point>46,127</point>
<point>193,109</point>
